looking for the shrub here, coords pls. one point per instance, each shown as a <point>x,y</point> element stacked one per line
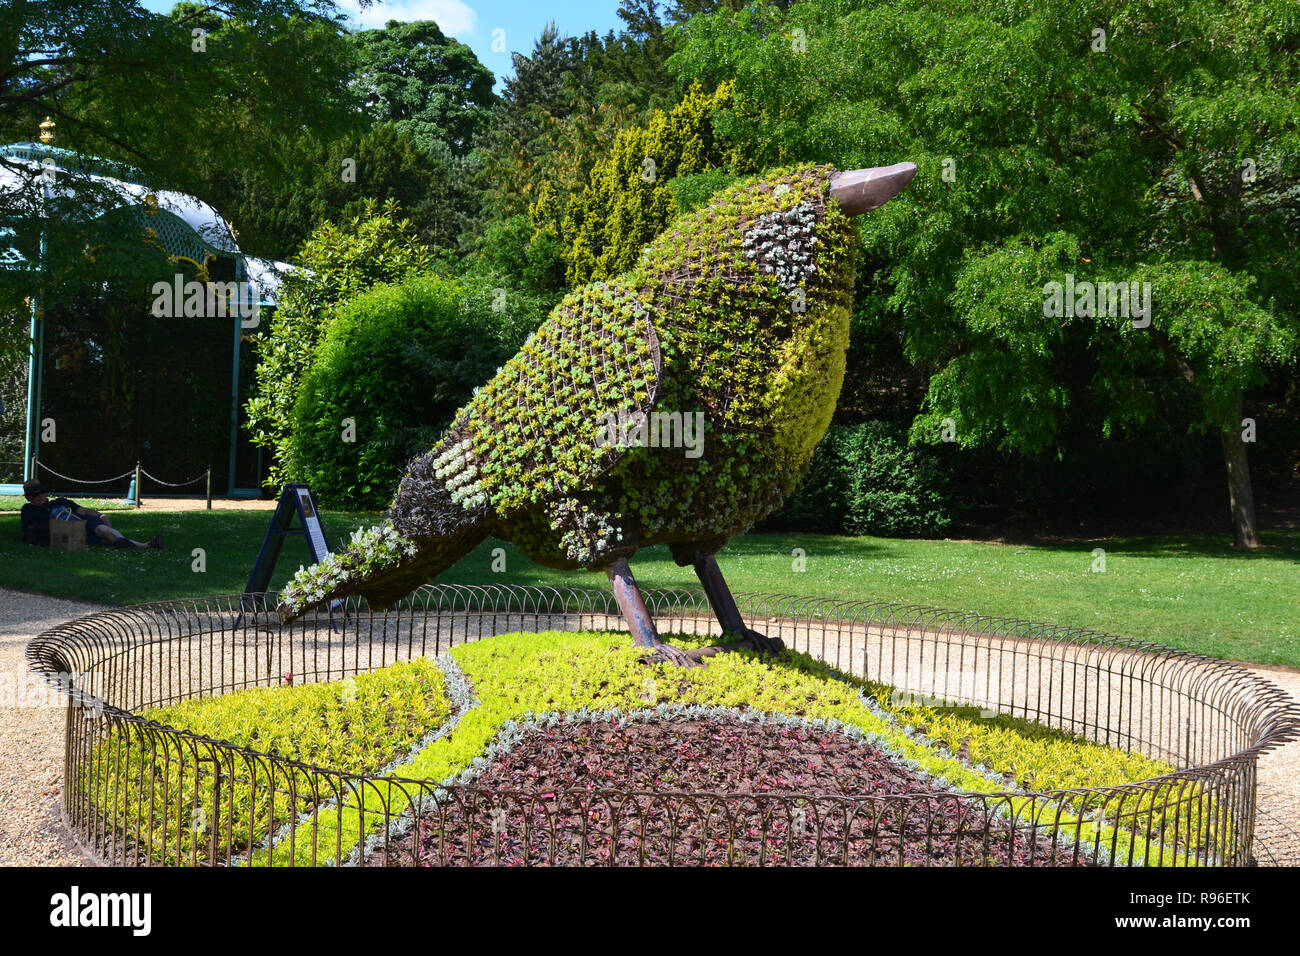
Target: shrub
<point>865,480</point>
<point>514,248</point>
<point>398,361</point>
<point>339,262</point>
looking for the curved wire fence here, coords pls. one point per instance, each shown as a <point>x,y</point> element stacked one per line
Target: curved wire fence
<point>139,793</point>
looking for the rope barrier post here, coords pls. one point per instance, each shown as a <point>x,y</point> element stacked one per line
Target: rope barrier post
<point>209,487</point>
<point>136,487</point>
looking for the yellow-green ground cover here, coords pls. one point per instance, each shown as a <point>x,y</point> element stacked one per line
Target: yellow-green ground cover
<point>159,786</point>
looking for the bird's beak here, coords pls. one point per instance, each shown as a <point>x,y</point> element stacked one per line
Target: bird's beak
<point>862,190</point>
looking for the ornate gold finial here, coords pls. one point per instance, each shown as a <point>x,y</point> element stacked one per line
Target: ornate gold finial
<point>47,131</point>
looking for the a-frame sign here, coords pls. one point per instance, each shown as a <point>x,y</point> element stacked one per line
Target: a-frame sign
<point>294,500</point>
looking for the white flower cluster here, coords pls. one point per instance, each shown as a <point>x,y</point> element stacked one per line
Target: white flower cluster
<point>371,548</point>
<point>380,544</point>
<point>781,244</point>
<point>588,534</point>
<point>310,585</point>
<point>459,475</point>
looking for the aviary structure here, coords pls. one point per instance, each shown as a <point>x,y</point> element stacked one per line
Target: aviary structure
<point>736,318</point>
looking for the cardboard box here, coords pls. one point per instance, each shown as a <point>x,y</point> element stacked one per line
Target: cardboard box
<point>67,535</point>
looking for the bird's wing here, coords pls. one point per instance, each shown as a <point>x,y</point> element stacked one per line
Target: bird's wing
<point>542,428</point>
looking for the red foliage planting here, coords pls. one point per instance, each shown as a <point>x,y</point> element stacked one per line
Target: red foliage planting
<point>709,792</point>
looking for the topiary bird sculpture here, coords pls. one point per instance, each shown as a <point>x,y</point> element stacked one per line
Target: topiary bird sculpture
<point>677,404</point>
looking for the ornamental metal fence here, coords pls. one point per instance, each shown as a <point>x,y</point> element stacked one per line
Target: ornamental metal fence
<point>137,792</point>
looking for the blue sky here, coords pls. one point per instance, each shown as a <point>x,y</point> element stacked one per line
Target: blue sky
<point>473,21</point>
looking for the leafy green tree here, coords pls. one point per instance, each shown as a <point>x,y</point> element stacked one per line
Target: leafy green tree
<point>427,84</point>
<point>217,77</point>
<point>559,116</point>
<point>540,94</point>
<point>422,101</point>
<point>338,263</point>
<point>276,209</point>
<point>1128,142</point>
<point>866,480</point>
<point>385,163</point>
<point>631,68</point>
<point>175,99</point>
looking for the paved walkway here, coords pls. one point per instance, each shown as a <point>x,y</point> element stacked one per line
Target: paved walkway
<point>31,751</point>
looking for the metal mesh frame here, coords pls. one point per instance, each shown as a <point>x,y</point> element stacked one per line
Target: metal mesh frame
<point>1209,718</point>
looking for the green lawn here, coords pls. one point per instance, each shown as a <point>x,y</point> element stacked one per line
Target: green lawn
<point>16,502</point>
<point>1192,592</point>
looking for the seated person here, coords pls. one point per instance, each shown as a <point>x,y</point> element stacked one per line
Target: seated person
<point>36,515</point>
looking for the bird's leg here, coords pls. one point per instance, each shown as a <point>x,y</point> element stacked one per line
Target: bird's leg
<point>724,606</point>
<point>630,602</point>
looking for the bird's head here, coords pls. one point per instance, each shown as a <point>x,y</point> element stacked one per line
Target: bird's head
<point>783,237</point>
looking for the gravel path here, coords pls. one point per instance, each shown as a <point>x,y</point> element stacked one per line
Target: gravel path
<point>31,738</point>
<point>1277,837</point>
<point>31,751</point>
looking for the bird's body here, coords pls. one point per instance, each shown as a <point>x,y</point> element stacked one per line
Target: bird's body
<point>727,339</point>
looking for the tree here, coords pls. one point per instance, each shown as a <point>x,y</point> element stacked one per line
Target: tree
<point>539,95</point>
<point>175,100</point>
<point>627,201</point>
<point>1153,143</point>
<point>426,84</point>
<point>559,115</point>
<point>211,74</point>
<point>381,164</point>
<point>389,373</point>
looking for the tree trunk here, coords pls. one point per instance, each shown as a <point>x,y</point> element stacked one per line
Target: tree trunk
<point>1241,497</point>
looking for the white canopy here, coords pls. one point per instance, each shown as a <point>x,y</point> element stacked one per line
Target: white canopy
<point>266,275</point>
<point>185,226</point>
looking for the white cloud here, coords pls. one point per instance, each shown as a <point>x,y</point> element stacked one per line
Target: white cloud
<point>453,16</point>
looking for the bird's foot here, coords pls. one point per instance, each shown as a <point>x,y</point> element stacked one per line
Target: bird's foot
<point>761,642</point>
<point>668,654</point>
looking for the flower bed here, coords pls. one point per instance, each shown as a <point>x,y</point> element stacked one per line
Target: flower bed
<point>358,725</point>
<point>518,676</point>
<point>185,746</point>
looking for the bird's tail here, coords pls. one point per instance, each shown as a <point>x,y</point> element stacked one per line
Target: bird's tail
<point>380,566</point>
<point>427,532</point>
